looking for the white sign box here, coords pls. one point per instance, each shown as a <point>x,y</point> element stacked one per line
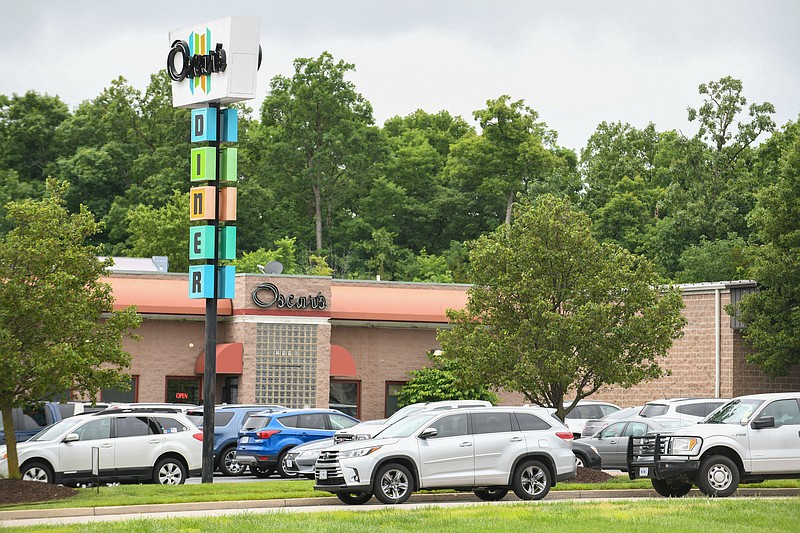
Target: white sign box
<point>214,62</point>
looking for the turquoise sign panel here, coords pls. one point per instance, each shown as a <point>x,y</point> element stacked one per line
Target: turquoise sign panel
<point>227,242</point>
<point>201,281</point>
<point>204,124</point>
<point>201,242</point>
<point>230,125</point>
<point>227,281</point>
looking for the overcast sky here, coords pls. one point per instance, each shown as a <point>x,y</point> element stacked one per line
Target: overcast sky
<point>576,62</point>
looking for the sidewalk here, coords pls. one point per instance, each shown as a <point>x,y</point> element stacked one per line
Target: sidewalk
<point>93,514</point>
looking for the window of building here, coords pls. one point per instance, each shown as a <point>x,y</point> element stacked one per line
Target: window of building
<point>392,390</point>
<point>286,364</point>
<point>183,390</point>
<point>345,396</point>
<point>124,396</point>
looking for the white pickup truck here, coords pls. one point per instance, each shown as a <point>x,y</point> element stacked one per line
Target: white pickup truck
<point>749,439</point>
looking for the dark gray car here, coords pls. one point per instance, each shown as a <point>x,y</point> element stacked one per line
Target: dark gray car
<point>611,442</point>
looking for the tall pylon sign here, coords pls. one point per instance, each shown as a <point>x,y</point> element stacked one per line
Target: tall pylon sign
<point>211,65</point>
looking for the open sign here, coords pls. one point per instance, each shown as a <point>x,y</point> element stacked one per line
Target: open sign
<point>181,395</point>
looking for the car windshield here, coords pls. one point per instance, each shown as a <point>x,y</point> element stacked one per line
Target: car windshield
<point>54,431</point>
<point>733,412</point>
<point>404,412</point>
<point>653,409</point>
<point>407,426</point>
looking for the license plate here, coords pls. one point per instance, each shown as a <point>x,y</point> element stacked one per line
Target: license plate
<point>244,440</point>
<point>643,471</point>
<point>322,474</point>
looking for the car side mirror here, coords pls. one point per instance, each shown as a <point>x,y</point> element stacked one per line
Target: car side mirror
<point>72,437</point>
<point>764,422</point>
<point>428,433</point>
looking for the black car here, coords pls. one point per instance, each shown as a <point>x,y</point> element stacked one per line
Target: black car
<point>586,455</point>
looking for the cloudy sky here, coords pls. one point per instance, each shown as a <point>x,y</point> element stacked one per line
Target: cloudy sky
<point>576,62</point>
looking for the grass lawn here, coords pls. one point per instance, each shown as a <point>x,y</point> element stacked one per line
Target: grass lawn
<point>685,515</point>
<point>152,494</point>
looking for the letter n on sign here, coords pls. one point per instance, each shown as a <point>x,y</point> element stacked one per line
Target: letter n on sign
<point>202,203</point>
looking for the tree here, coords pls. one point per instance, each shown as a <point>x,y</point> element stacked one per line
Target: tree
<point>772,315</point>
<point>552,311</point>
<point>439,382</point>
<point>318,127</point>
<point>161,231</point>
<point>58,327</point>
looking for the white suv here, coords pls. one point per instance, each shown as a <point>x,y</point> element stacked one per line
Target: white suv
<point>688,410</point>
<point>487,450</point>
<point>142,445</point>
<point>370,428</point>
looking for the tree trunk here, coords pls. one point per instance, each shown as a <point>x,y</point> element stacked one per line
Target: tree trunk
<point>509,206</point>
<point>11,441</point>
<point>317,215</point>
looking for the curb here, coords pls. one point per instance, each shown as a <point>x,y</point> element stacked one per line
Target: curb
<point>333,501</point>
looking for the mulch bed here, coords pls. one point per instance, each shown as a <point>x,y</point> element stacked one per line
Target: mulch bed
<point>14,491</point>
<point>590,475</point>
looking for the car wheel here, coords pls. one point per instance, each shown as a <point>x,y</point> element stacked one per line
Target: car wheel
<point>169,471</point>
<point>227,463</point>
<point>531,481</point>
<point>281,470</point>
<point>491,495</point>
<point>671,490</point>
<point>36,471</point>
<point>580,462</point>
<point>718,476</point>
<point>354,498</point>
<point>393,483</point>
<point>262,472</point>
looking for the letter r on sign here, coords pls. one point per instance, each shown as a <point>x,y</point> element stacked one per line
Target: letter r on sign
<point>197,282</point>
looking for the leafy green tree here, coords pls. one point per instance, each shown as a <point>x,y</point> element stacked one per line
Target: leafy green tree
<point>720,260</point>
<point>772,315</point>
<point>58,328</point>
<point>161,231</point>
<point>439,382</point>
<point>513,153</point>
<point>552,311</point>
<point>28,133</point>
<point>285,253</point>
<point>318,130</point>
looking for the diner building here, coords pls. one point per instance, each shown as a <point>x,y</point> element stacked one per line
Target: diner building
<point>315,341</point>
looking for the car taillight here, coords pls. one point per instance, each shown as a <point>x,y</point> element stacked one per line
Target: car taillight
<point>566,435</point>
<point>266,434</point>
<point>198,436</point>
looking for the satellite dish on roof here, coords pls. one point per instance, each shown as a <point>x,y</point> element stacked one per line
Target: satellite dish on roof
<point>273,267</point>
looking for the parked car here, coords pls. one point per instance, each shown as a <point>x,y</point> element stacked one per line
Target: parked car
<point>28,421</point>
<point>489,449</point>
<point>587,410</point>
<point>300,460</point>
<point>369,428</point>
<point>749,439</point>
<point>228,420</point>
<point>267,437</point>
<point>586,455</point>
<point>593,426</point>
<point>611,442</point>
<point>688,409</point>
<point>163,448</point>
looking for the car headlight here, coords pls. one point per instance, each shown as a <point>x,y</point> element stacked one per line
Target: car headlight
<point>359,452</point>
<point>685,445</point>
<point>309,453</point>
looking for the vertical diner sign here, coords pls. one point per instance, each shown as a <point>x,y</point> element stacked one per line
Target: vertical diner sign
<point>211,65</point>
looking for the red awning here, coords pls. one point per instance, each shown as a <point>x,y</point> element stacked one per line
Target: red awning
<point>342,362</point>
<point>229,359</point>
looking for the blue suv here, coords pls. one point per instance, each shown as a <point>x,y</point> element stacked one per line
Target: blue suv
<point>228,420</point>
<point>267,436</point>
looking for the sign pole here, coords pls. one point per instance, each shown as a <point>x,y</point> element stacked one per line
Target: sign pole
<point>210,371</point>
